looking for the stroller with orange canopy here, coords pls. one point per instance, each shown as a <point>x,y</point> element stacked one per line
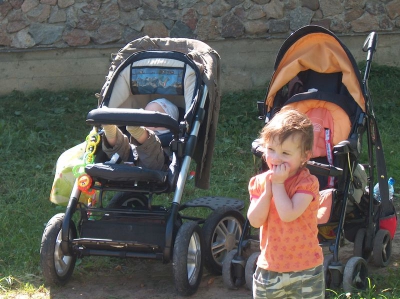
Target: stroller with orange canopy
<point>316,74</point>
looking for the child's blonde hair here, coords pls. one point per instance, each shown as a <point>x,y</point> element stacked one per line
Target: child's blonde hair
<point>286,123</point>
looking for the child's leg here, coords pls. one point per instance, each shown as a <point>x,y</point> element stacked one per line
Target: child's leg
<point>308,284</point>
<point>268,284</point>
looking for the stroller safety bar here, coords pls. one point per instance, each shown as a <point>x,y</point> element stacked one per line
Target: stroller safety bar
<point>131,117</point>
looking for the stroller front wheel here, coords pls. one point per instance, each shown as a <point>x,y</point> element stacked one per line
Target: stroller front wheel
<point>56,267</point>
<point>222,230</point>
<point>188,258</point>
<point>382,249</point>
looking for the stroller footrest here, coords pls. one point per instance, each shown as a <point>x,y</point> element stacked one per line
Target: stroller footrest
<point>125,173</point>
<point>124,230</point>
<point>214,202</point>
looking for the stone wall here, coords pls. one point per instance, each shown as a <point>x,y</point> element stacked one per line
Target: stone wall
<point>78,23</point>
<point>61,44</point>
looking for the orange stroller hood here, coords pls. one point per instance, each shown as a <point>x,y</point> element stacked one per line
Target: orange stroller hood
<point>315,48</point>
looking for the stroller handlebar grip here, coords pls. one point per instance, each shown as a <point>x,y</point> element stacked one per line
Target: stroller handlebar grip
<point>131,117</point>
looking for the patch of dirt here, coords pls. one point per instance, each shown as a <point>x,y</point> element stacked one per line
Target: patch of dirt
<point>148,279</point>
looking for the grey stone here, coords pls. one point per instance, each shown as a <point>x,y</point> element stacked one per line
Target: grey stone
<point>45,34</point>
<point>72,17</point>
<point>16,26</point>
<point>201,8</point>
<point>274,10</point>
<point>386,24</point>
<point>375,8</point>
<point>109,12</point>
<point>311,4</point>
<point>207,29</point>
<point>300,17</point>
<point>92,7</point>
<point>393,9</point>
<point>57,15</point>
<point>255,12</point>
<point>279,26</point>
<point>180,29</point>
<point>190,18</point>
<point>186,3</point>
<point>128,5</point>
<point>353,14</point>
<point>218,9</point>
<point>256,28</point>
<point>130,34</point>
<point>22,40</point>
<point>148,13</point>
<point>5,8</point>
<point>330,7</point>
<point>28,5</point>
<point>107,34</point>
<point>40,13</point>
<point>16,4</point>
<point>155,29</point>
<point>65,3</point>
<point>326,23</point>
<point>261,2</point>
<point>339,26</point>
<point>76,37</point>
<point>231,27</point>
<point>365,23</point>
<point>234,3</point>
<point>348,4</point>
<point>88,22</point>
<point>5,40</point>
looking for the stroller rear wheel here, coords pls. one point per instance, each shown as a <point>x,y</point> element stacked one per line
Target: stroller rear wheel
<point>382,248</point>
<point>232,273</point>
<point>327,273</point>
<point>250,268</point>
<point>222,231</point>
<point>360,245</point>
<point>188,259</point>
<point>355,274</point>
<point>57,268</point>
<point>128,200</point>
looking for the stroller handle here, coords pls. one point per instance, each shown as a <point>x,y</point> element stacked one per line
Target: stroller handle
<point>131,117</point>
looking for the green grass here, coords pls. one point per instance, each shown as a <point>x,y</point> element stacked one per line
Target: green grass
<point>36,128</point>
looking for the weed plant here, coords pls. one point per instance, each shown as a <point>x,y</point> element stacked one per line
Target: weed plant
<point>36,128</point>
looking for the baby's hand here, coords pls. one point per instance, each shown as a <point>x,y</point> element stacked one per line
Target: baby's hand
<point>280,173</point>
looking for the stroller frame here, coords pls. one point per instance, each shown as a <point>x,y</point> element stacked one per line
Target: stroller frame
<point>144,230</point>
<point>370,239</point>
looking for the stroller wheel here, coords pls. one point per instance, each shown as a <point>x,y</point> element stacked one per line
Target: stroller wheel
<point>382,248</point>
<point>128,200</point>
<point>250,268</point>
<point>355,275</point>
<point>360,245</point>
<point>222,231</point>
<point>56,267</point>
<point>232,273</point>
<point>327,274</point>
<point>188,259</point>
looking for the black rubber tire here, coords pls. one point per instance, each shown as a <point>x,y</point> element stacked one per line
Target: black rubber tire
<point>382,250</point>
<point>222,231</point>
<point>56,267</point>
<point>250,268</point>
<point>360,244</point>
<point>228,272</point>
<point>355,275</point>
<point>128,200</point>
<point>188,258</point>
<point>327,274</point>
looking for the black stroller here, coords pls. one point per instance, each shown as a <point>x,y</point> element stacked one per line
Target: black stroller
<point>186,72</point>
<point>317,75</point>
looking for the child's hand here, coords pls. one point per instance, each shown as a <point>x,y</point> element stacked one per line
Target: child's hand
<point>280,173</point>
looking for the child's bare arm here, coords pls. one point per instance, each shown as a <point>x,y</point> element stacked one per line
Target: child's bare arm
<point>259,208</point>
<point>289,209</point>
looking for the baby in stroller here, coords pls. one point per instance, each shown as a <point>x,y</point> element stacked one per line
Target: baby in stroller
<point>147,150</point>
